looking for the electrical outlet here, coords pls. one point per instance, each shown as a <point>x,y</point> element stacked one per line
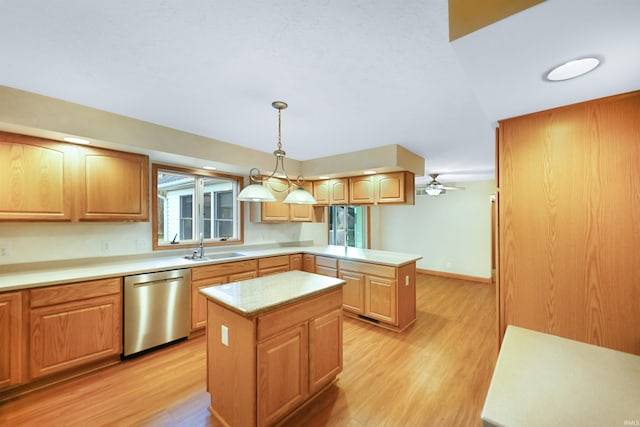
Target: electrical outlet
<point>4,251</point>
<point>406,280</point>
<point>105,246</point>
<point>224,331</point>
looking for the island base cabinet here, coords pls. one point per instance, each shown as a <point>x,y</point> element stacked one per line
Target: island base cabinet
<point>282,374</point>
<point>325,349</point>
<point>262,368</point>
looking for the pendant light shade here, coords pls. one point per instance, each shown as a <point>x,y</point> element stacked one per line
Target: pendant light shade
<point>256,192</point>
<point>301,197</point>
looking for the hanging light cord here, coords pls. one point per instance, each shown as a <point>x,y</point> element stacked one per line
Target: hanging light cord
<point>254,173</point>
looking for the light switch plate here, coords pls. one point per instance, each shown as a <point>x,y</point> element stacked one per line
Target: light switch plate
<point>224,332</point>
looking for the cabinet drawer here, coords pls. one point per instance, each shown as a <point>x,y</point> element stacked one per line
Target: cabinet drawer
<point>273,261</point>
<point>273,270</point>
<point>224,269</point>
<point>326,262</point>
<point>326,271</point>
<point>292,314</point>
<point>74,292</point>
<point>369,269</point>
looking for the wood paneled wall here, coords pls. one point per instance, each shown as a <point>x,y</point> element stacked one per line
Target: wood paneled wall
<point>569,222</point>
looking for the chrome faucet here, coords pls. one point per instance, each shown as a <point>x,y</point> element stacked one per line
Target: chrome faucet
<point>201,246</point>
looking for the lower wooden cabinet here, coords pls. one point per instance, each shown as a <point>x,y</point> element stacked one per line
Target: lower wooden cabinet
<point>295,262</point>
<point>370,290</point>
<point>273,265</point>
<point>12,351</point>
<point>353,291</point>
<point>381,293</point>
<point>326,266</point>
<point>215,275</point>
<point>72,325</point>
<point>309,263</point>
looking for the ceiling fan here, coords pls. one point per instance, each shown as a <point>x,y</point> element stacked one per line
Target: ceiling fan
<point>435,188</point>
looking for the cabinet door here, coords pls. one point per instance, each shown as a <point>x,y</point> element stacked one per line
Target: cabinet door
<point>353,291</point>
<point>390,188</point>
<point>321,191</point>
<point>380,299</point>
<point>338,191</point>
<point>295,262</point>
<point>325,349</point>
<point>36,179</point>
<point>112,186</point>
<point>302,213</point>
<point>67,335</point>
<point>199,301</point>
<point>275,211</point>
<point>361,190</point>
<point>11,336</point>
<point>282,374</point>
<point>309,263</point>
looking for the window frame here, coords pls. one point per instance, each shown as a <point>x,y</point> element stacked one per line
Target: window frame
<point>196,173</point>
<point>364,228</point>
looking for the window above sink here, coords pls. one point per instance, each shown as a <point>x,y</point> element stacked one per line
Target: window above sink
<point>188,203</point>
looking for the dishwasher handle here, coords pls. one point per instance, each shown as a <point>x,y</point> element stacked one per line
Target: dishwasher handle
<point>157,282</point>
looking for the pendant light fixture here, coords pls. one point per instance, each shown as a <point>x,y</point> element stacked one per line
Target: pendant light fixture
<point>257,192</point>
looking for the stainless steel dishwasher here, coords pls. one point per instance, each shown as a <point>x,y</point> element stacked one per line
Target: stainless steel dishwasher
<point>157,309</point>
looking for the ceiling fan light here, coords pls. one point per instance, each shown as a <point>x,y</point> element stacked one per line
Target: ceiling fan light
<point>256,193</point>
<point>433,191</point>
<point>300,196</point>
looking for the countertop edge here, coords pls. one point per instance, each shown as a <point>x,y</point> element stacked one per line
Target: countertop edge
<point>275,306</point>
<point>16,281</point>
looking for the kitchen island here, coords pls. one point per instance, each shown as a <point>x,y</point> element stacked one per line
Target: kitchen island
<point>273,343</point>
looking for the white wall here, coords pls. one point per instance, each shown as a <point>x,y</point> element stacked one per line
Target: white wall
<point>451,231</point>
<point>41,241</point>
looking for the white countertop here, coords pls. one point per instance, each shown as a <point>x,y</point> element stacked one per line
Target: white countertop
<point>254,296</point>
<point>69,271</point>
<point>544,380</point>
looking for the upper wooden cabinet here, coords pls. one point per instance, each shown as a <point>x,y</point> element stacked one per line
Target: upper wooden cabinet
<point>279,211</point>
<point>52,181</point>
<point>331,191</point>
<point>394,187</point>
<point>112,185</point>
<point>36,179</point>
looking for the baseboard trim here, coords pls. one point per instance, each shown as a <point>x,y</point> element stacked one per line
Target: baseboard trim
<point>477,279</point>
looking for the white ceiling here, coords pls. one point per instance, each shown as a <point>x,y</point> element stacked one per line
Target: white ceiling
<point>355,73</point>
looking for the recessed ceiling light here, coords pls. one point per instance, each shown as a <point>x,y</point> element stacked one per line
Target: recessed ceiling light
<point>323,177</point>
<point>369,172</point>
<point>210,168</point>
<point>572,69</point>
<point>76,140</point>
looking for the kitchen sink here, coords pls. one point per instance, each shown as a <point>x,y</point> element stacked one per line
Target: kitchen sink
<point>225,255</point>
<point>213,256</point>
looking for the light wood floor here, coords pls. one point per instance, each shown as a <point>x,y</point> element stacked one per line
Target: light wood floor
<point>436,373</point>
